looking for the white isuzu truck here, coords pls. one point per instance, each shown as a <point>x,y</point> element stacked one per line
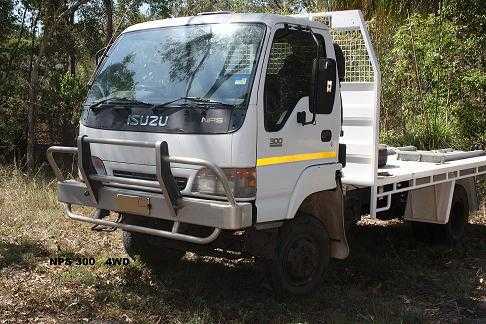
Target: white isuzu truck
<point>252,134</point>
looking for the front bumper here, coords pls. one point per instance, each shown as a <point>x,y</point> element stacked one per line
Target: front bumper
<point>157,199</point>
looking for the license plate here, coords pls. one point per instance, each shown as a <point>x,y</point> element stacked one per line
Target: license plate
<point>133,204</point>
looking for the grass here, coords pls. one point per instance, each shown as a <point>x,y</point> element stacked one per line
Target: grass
<point>388,278</point>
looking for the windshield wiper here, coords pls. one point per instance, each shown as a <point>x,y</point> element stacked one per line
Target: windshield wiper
<point>196,100</point>
<point>118,101</point>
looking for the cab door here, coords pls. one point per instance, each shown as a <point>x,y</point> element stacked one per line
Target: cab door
<point>286,147</point>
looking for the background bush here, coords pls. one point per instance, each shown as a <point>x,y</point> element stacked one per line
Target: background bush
<point>433,85</point>
<point>432,57</point>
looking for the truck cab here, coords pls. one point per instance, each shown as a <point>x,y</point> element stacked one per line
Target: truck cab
<point>224,88</point>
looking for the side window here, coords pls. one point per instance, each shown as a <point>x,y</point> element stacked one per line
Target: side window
<point>289,74</point>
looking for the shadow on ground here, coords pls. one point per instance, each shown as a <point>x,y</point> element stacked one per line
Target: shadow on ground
<point>389,276</point>
<point>21,254</point>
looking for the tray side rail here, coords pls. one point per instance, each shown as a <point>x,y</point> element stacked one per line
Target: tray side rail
<point>451,175</point>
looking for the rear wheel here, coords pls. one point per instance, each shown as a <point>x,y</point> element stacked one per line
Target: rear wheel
<point>152,250</point>
<point>301,256</point>
<point>453,231</point>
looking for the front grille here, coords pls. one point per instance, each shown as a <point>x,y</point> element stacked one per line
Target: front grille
<point>180,181</point>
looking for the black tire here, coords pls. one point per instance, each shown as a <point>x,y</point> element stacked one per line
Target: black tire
<point>151,250</point>
<point>453,231</point>
<point>301,257</point>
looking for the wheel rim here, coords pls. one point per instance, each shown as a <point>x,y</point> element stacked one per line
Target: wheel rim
<point>301,261</point>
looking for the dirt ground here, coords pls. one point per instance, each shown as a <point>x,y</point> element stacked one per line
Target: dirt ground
<point>388,278</point>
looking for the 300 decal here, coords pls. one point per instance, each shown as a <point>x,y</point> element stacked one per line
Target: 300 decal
<point>72,261</point>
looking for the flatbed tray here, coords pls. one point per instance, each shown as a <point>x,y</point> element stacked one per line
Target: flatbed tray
<point>398,170</point>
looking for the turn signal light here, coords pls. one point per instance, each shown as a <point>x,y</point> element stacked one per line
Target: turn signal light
<point>242,182</point>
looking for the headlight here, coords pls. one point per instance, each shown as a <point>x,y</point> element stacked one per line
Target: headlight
<point>98,165</point>
<point>242,182</point>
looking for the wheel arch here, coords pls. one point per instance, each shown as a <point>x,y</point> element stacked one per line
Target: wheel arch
<point>469,186</point>
<point>313,179</point>
<point>318,193</point>
<point>419,207</point>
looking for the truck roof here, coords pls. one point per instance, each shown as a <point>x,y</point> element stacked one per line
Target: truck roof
<point>223,17</point>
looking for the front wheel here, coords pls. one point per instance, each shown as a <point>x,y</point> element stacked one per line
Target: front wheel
<point>152,250</point>
<point>301,256</point>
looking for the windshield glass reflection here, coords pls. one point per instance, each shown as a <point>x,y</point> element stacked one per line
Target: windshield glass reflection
<point>215,62</point>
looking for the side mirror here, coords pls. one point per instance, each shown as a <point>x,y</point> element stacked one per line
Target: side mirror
<point>323,85</point>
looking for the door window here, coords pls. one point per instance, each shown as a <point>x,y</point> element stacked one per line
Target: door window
<point>289,74</point>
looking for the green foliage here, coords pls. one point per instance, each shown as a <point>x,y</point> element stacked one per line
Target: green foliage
<point>6,18</point>
<point>60,108</point>
<point>433,91</point>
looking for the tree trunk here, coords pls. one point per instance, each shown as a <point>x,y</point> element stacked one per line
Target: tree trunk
<point>72,50</point>
<point>34,100</point>
<point>109,21</point>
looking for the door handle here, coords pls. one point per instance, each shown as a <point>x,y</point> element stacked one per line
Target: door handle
<point>326,135</point>
<point>329,86</point>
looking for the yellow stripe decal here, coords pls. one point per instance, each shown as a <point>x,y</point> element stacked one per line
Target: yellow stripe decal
<point>295,158</point>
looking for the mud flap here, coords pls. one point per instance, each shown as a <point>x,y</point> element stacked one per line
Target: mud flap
<point>328,207</point>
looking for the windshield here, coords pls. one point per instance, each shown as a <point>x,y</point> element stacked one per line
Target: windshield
<point>214,62</point>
